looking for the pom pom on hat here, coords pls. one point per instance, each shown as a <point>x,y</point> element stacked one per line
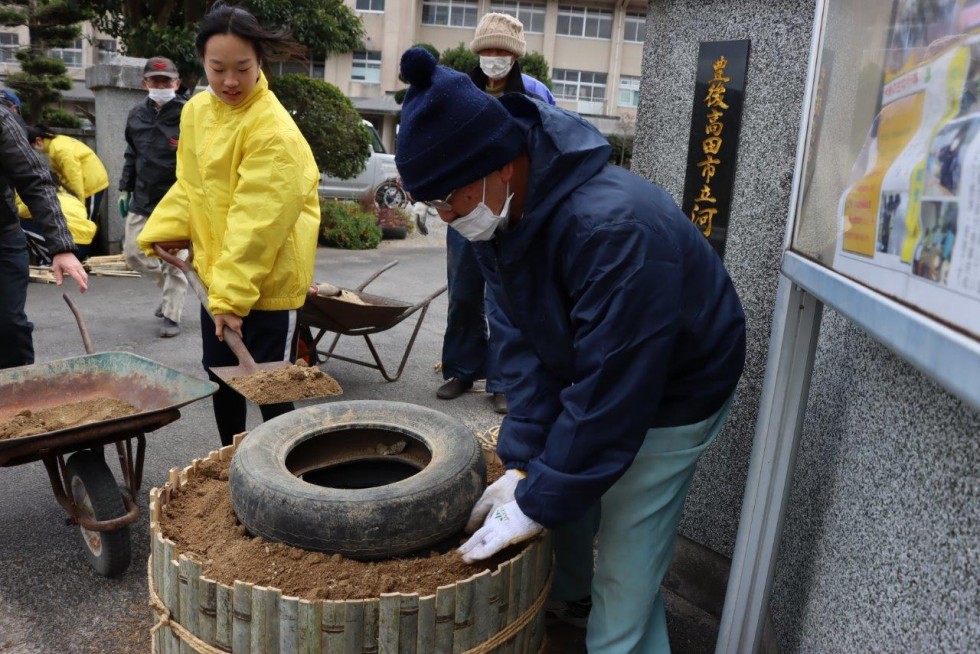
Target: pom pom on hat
<point>451,132</point>
<point>417,66</point>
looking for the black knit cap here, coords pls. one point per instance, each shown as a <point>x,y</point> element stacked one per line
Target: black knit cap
<point>451,132</point>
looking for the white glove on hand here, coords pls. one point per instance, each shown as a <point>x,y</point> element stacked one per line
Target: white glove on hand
<point>506,525</point>
<point>498,493</point>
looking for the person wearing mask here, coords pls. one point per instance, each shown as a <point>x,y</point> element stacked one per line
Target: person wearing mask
<point>246,202</point>
<point>21,170</point>
<point>623,340</point>
<point>150,169</point>
<point>470,348</point>
<point>76,164</point>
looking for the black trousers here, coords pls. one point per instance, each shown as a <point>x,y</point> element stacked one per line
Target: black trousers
<point>16,342</point>
<point>269,336</point>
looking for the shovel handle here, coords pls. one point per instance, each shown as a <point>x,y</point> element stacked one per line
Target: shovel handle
<point>232,339</point>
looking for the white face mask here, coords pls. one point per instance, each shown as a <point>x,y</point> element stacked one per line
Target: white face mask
<point>162,96</point>
<point>496,67</point>
<point>482,223</point>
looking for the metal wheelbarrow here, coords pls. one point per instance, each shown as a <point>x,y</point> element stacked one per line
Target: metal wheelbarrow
<point>331,313</point>
<point>84,485</point>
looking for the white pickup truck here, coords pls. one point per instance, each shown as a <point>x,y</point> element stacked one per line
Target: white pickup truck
<point>379,179</point>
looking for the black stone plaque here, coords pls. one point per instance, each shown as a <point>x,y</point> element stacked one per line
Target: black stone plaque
<point>719,95</point>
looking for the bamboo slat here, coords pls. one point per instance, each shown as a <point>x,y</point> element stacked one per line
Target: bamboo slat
<point>445,619</point>
<point>354,627</point>
<point>288,618</point>
<point>207,610</point>
<point>426,640</point>
<point>308,627</point>
<point>188,571</point>
<point>389,614</point>
<point>336,618</point>
<point>370,629</point>
<point>224,616</point>
<point>481,600</point>
<point>241,628</point>
<point>265,619</point>
<point>170,595</point>
<point>527,596</point>
<point>494,601</point>
<point>408,624</point>
<point>463,623</point>
<point>513,581</point>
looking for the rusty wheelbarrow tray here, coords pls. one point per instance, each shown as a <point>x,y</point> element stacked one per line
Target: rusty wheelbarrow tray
<point>154,389</point>
<point>377,314</point>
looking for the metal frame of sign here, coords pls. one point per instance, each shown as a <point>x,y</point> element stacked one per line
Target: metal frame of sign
<point>944,354</point>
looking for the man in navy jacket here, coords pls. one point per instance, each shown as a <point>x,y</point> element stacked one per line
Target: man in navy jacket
<point>623,340</point>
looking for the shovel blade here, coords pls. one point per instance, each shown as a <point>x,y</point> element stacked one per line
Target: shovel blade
<point>284,391</point>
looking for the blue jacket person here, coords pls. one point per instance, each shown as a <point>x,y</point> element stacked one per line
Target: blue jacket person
<point>623,340</point>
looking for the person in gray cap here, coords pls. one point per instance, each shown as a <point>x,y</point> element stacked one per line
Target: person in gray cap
<point>12,101</point>
<point>623,340</point>
<point>150,169</point>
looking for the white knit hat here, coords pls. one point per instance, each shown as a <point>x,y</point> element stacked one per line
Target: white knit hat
<point>499,31</point>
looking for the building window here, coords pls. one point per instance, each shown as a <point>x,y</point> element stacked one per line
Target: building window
<point>636,28</point>
<point>581,85</point>
<point>370,5</point>
<point>9,42</point>
<point>71,56</point>
<point>106,49</point>
<point>314,68</point>
<point>586,22</point>
<point>366,67</point>
<point>629,91</point>
<point>454,13</point>
<point>531,14</point>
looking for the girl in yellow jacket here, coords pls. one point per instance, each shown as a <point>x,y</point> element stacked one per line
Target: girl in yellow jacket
<point>246,199</point>
<point>80,169</point>
<point>82,229</point>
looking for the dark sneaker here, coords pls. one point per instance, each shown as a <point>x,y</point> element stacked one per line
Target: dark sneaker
<point>159,312</point>
<point>453,388</point>
<point>575,613</point>
<point>169,328</point>
<point>499,403</point>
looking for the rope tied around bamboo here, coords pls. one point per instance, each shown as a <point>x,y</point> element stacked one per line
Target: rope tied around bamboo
<point>165,619</point>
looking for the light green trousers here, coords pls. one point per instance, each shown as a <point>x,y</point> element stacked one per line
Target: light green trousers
<point>635,524</point>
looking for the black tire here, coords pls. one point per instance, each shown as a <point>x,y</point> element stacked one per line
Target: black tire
<point>96,494</point>
<point>388,517</point>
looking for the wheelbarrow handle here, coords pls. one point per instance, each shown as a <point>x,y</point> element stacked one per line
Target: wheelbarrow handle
<point>232,339</point>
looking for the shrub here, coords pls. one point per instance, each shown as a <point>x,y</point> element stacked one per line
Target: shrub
<point>328,120</point>
<point>345,225</point>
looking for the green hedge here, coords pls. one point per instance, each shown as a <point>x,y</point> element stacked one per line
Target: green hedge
<point>345,225</point>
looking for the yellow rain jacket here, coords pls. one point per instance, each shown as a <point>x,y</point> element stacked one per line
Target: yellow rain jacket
<point>246,197</point>
<point>80,169</point>
<point>82,229</point>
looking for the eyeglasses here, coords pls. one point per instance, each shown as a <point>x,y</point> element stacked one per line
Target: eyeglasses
<point>441,204</point>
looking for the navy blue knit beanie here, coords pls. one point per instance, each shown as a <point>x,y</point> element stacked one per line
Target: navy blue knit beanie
<point>451,132</point>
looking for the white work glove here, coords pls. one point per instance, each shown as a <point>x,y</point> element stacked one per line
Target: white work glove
<point>506,525</point>
<point>498,493</point>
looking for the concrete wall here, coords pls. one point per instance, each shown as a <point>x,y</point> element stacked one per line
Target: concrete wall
<point>780,34</point>
<point>117,88</point>
<point>882,537</point>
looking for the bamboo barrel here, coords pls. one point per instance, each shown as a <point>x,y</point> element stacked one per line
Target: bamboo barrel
<point>500,611</point>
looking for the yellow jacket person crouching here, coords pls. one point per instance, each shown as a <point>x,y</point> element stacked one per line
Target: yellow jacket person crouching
<point>246,197</point>
<point>82,229</point>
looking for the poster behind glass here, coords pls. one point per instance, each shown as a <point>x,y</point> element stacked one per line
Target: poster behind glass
<point>903,181</point>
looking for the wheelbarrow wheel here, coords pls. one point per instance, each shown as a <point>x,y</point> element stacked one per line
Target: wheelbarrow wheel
<point>97,496</point>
